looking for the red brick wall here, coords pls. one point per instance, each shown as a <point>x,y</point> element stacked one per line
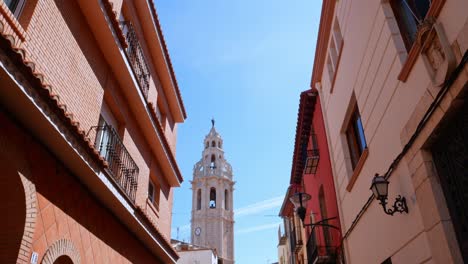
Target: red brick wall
<point>65,208</point>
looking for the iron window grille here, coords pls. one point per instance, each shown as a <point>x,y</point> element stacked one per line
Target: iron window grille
<point>136,58</point>
<point>319,252</point>
<point>313,157</point>
<point>121,166</point>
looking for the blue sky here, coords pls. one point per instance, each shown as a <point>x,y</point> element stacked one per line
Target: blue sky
<point>243,63</point>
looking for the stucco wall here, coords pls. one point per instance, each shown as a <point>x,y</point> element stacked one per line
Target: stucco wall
<point>370,64</point>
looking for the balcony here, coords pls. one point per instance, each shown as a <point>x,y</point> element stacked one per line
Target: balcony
<point>319,246</point>
<point>136,58</point>
<point>122,167</point>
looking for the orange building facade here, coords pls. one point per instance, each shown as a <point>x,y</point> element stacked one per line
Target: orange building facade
<point>88,123</point>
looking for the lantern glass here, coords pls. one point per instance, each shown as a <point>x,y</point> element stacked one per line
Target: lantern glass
<point>299,199</point>
<point>379,187</point>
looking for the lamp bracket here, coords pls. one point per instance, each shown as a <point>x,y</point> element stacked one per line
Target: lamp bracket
<point>399,206</point>
<point>321,223</point>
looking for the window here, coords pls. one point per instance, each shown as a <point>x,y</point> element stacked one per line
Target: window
<point>355,137</point>
<point>409,14</point>
<point>199,199</point>
<point>104,138</point>
<point>226,200</point>
<point>15,6</point>
<point>153,193</point>
<point>213,162</point>
<point>213,144</point>
<point>212,198</point>
<point>334,52</point>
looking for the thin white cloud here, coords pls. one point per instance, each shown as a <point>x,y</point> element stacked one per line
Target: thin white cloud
<point>258,228</point>
<point>259,206</point>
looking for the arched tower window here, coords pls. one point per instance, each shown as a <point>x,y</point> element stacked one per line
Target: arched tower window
<point>213,144</point>
<point>199,199</point>
<point>207,144</point>
<point>213,162</point>
<point>226,200</point>
<point>219,144</point>
<point>212,197</point>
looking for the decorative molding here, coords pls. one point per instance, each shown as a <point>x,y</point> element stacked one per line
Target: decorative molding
<point>413,54</point>
<point>436,52</point>
<point>62,247</point>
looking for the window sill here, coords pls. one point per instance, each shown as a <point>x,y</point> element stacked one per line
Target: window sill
<point>358,169</point>
<point>413,54</point>
<point>12,22</point>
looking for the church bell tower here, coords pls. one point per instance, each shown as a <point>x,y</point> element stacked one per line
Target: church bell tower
<point>212,223</point>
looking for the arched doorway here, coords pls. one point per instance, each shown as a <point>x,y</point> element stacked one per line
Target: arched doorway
<point>14,203</point>
<point>63,260</point>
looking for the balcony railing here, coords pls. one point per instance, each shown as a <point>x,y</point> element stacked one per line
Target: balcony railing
<point>122,167</point>
<point>136,57</point>
<point>320,248</point>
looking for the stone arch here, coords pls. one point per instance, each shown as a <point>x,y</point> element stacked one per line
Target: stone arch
<point>56,253</point>
<point>213,143</point>
<point>212,197</point>
<point>18,199</point>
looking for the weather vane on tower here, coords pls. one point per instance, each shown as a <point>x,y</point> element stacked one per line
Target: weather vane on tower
<point>212,122</point>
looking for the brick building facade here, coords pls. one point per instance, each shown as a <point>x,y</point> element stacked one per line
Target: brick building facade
<point>89,107</point>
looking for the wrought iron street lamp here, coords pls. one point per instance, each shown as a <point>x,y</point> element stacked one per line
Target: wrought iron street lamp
<point>380,189</point>
<point>299,200</point>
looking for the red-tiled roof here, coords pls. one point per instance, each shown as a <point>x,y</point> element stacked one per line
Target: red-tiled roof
<point>168,58</point>
<point>304,121</point>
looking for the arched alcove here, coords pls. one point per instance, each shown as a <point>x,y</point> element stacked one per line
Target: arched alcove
<point>226,199</point>
<point>64,251</point>
<point>64,259</point>
<point>213,144</point>
<point>213,162</point>
<point>13,204</point>
<point>199,199</point>
<point>212,197</point>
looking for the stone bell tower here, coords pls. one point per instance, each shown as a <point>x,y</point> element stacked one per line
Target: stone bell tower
<point>212,201</point>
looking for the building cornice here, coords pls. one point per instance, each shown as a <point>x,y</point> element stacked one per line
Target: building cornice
<point>326,19</point>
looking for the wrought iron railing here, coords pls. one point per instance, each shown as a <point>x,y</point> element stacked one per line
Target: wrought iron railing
<point>319,246</point>
<point>136,57</point>
<point>121,165</point>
